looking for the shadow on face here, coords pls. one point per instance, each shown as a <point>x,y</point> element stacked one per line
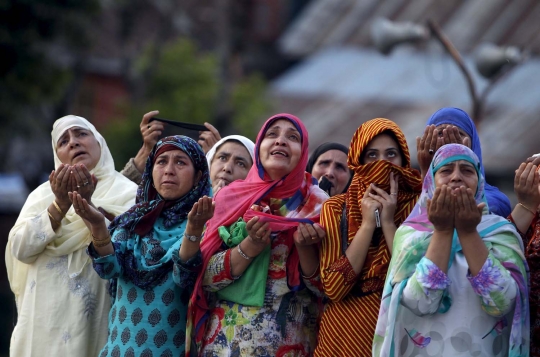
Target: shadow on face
<point>231,162</point>
<point>382,147</point>
<point>174,175</point>
<point>456,174</point>
<point>78,146</point>
<point>333,165</point>
<point>280,149</point>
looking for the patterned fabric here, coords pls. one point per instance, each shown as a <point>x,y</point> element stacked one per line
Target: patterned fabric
<point>423,310</point>
<point>497,201</point>
<point>148,322</point>
<point>531,240</point>
<point>148,270</point>
<point>299,200</point>
<point>351,294</point>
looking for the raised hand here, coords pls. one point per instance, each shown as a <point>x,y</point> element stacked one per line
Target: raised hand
<point>467,213</point>
<point>88,213</point>
<point>388,201</point>
<point>200,213</point>
<point>426,147</point>
<point>258,232</point>
<point>441,209</point>
<point>308,234</point>
<point>209,138</point>
<point>526,187</point>
<point>59,180</point>
<point>82,181</point>
<point>451,135</point>
<point>369,205</point>
<point>150,131</point>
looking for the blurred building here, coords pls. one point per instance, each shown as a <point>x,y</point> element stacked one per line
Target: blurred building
<point>341,80</point>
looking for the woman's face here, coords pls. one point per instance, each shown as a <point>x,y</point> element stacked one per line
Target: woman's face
<point>78,146</point>
<point>231,162</point>
<point>281,149</point>
<point>382,147</point>
<point>456,174</point>
<point>462,132</point>
<point>174,174</point>
<point>333,165</point>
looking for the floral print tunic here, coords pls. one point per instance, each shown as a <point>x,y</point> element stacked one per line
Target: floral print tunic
<point>284,326</point>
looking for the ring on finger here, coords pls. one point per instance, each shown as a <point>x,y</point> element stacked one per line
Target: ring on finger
<point>85,183</point>
<point>78,186</point>
<point>197,214</point>
<point>258,237</point>
<point>393,193</point>
<point>431,151</point>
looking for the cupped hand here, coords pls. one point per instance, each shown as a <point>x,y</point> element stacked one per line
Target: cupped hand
<point>441,209</point>
<point>82,181</point>
<point>468,214</point>
<point>60,182</point>
<point>87,212</point>
<point>150,131</point>
<point>526,184</point>
<point>308,234</point>
<point>388,201</point>
<point>258,231</point>
<point>201,212</point>
<point>208,138</point>
<point>369,205</point>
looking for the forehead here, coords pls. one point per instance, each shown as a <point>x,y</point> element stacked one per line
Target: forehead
<point>333,155</point>
<point>382,141</point>
<point>74,129</point>
<point>172,153</point>
<point>283,124</point>
<point>233,147</point>
<point>460,163</point>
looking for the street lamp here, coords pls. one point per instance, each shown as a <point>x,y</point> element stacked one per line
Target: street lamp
<point>491,61</point>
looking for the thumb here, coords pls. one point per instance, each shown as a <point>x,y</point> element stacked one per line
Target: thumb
<point>428,204</point>
<point>481,207</point>
<point>94,179</point>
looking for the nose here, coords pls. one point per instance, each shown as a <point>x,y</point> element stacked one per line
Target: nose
<point>169,168</point>
<point>456,175</point>
<point>329,172</point>
<point>73,141</point>
<point>280,140</point>
<point>228,166</point>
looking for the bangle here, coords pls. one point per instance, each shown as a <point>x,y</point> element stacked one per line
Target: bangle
<point>58,208</point>
<point>100,240</point>
<point>527,208</point>
<point>54,219</point>
<point>242,253</point>
<point>101,243</point>
<point>315,273</point>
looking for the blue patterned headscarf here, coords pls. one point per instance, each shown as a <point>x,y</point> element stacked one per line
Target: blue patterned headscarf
<point>497,201</point>
<point>145,269</point>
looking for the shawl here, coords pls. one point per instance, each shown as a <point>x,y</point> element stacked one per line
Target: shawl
<point>248,144</point>
<point>411,247</point>
<point>113,192</point>
<point>135,225</point>
<point>298,191</point>
<point>497,201</point>
<point>377,172</point>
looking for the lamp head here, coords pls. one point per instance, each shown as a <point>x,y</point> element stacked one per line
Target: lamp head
<point>491,59</point>
<point>385,34</point>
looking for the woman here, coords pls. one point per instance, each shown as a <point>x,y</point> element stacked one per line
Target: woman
<point>329,160</point>
<point>356,253</point>
<point>62,303</point>
<point>152,251</point>
<point>273,215</point>
<point>453,125</point>
<point>457,284</point>
<point>229,160</point>
<point>525,217</point>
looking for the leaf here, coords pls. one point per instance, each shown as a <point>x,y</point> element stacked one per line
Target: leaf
<point>229,333</point>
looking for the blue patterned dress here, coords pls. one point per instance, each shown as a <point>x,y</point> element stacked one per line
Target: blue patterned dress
<point>149,323</point>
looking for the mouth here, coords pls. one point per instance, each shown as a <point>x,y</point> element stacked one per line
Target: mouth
<point>168,183</point>
<point>226,181</point>
<point>279,153</point>
<point>77,154</point>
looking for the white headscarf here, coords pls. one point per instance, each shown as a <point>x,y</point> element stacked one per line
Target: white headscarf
<point>114,192</point>
<point>248,144</point>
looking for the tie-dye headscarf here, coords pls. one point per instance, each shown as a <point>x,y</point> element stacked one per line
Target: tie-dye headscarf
<point>411,242</point>
<point>497,201</point>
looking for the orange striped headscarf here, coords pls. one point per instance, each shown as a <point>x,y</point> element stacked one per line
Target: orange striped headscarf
<point>378,172</point>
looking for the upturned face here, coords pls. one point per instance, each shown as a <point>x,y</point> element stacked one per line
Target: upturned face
<point>456,174</point>
<point>332,164</point>
<point>78,146</point>
<point>174,174</point>
<point>382,147</point>
<point>231,162</point>
<point>280,149</point>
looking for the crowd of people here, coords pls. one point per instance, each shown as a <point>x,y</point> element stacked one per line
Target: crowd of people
<point>229,247</point>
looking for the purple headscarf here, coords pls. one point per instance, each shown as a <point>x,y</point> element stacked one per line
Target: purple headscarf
<point>497,201</point>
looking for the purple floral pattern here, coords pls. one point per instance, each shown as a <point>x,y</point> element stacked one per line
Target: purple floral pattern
<point>431,277</point>
<point>488,279</point>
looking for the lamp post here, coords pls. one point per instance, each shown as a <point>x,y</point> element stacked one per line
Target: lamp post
<point>491,61</point>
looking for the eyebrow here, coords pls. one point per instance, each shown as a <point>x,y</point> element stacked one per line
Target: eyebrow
<point>228,154</point>
<point>73,129</point>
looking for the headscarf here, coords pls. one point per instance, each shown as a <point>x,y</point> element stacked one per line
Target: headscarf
<point>497,201</point>
<point>298,191</point>
<point>412,241</point>
<point>248,144</point>
<point>321,149</point>
<point>377,172</point>
<point>136,224</point>
<point>113,192</point>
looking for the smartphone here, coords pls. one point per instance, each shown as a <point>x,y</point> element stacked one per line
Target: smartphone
<point>325,185</point>
<point>377,218</point>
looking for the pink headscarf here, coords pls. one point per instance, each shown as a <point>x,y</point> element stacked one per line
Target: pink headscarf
<point>235,201</point>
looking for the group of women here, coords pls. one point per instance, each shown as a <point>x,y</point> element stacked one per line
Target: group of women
<point>254,250</point>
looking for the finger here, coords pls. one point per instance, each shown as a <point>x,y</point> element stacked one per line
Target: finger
<point>213,130</point>
<point>431,137</point>
<point>459,203</point>
<point>435,198</point>
<point>377,198</point>
<point>428,204</point>
<point>51,177</point>
<point>440,142</point>
<point>94,180</point>
<point>524,175</point>
<point>380,192</point>
<point>467,142</point>
<point>368,191</point>
<point>453,134</point>
<point>321,233</point>
<point>78,174</point>
<point>251,223</point>
<point>393,183</point>
<point>310,231</point>
<point>531,176</point>
<point>519,172</point>
<point>481,207</point>
<point>468,199</point>
<point>419,143</point>
<point>146,118</point>
<point>446,136</point>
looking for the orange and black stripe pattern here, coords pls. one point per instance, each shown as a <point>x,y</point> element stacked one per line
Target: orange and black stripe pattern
<point>348,322</point>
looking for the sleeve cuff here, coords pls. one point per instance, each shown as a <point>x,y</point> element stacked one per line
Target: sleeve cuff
<point>343,266</point>
<point>430,276</point>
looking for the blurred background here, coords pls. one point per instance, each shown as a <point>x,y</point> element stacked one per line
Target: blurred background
<point>333,63</point>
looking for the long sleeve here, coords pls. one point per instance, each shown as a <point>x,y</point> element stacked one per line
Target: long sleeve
<point>107,266</point>
<point>185,273</point>
<point>30,236</point>
<point>218,272</point>
<point>130,171</point>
